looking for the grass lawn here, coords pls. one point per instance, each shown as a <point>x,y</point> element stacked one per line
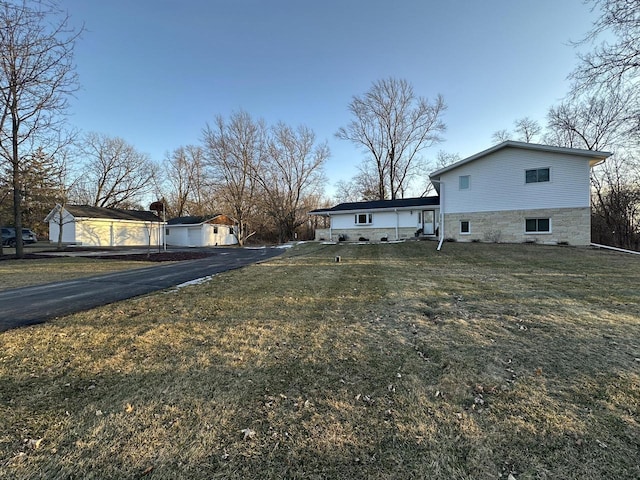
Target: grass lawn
<point>477,362</point>
<point>22,273</point>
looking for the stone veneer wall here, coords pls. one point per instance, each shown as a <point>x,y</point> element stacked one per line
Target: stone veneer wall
<point>372,234</point>
<point>570,225</point>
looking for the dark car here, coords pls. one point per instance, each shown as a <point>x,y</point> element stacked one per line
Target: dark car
<point>9,236</point>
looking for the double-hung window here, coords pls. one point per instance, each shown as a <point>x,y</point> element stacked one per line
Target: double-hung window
<point>536,175</point>
<point>364,218</point>
<point>537,225</point>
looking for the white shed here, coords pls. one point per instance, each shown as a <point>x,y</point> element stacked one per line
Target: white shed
<point>201,231</point>
<point>104,227</point>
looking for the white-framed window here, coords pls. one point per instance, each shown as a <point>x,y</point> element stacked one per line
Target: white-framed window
<point>537,225</point>
<point>465,227</point>
<point>464,182</point>
<point>537,175</point>
<point>364,218</point>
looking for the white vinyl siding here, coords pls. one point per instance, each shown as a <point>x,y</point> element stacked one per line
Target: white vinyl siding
<point>498,183</point>
<point>382,219</point>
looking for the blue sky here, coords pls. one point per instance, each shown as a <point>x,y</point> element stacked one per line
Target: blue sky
<point>154,72</point>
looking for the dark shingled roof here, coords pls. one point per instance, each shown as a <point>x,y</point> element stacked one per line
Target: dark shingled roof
<point>191,220</point>
<point>381,204</point>
<point>86,211</point>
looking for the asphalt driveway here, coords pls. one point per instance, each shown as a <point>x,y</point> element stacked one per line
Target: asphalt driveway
<point>31,305</point>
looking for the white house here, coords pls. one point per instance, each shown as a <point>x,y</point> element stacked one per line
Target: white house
<point>511,192</point>
<point>104,227</point>
<point>380,219</point>
<point>201,231</point>
<point>519,192</point>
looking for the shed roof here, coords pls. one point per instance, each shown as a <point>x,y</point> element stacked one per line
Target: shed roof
<point>192,219</point>
<point>87,211</point>
<point>402,203</point>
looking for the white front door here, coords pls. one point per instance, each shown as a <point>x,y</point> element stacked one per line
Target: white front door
<point>428,222</point>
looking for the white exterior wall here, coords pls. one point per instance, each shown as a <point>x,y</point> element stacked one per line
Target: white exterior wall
<point>116,233</point>
<point>389,224</point>
<point>68,228</point>
<point>106,232</point>
<point>200,235</point>
<point>497,183</point>
<point>387,219</point>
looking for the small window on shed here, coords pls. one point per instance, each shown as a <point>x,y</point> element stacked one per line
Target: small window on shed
<point>215,229</point>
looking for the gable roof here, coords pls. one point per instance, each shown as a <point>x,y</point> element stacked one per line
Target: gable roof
<point>87,211</point>
<point>402,203</point>
<point>595,157</point>
<point>192,220</point>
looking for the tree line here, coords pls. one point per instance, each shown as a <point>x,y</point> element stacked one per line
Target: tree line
<point>269,176</point>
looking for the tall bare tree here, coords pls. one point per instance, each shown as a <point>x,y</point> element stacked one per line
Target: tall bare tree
<point>235,151</point>
<point>592,122</point>
<point>37,75</point>
<point>291,176</point>
<point>393,126</point>
<point>116,175</point>
<point>183,171</point>
<point>611,62</point>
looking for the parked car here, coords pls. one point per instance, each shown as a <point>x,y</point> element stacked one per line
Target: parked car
<point>9,236</point>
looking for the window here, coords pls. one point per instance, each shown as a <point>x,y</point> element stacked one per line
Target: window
<point>537,175</point>
<point>537,225</point>
<point>167,231</point>
<point>364,218</point>
<point>465,227</point>
<point>464,182</point>
<point>215,229</point>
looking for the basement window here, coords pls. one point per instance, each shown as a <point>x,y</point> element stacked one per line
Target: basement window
<point>465,227</point>
<point>364,218</point>
<point>537,225</point>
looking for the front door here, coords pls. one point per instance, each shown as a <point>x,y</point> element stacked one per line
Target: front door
<point>428,222</point>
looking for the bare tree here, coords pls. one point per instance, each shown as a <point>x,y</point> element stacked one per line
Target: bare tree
<point>527,129</point>
<point>115,173</point>
<point>593,123</point>
<point>36,77</point>
<point>291,176</point>
<point>183,169</point>
<point>235,151</point>
<point>500,136</point>
<point>394,126</point>
<point>616,203</point>
<point>617,62</point>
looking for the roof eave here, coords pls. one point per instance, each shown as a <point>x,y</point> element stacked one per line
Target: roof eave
<point>595,155</point>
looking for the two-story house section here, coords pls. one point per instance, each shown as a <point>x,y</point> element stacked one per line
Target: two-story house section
<point>519,192</point>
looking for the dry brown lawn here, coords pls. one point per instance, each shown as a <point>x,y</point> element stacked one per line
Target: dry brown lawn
<point>477,362</point>
<point>21,273</point>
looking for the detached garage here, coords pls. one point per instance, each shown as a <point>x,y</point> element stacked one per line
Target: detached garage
<point>104,227</point>
<point>206,231</point>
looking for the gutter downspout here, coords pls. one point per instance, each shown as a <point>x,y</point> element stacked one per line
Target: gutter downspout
<point>397,223</point>
<point>441,226</point>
